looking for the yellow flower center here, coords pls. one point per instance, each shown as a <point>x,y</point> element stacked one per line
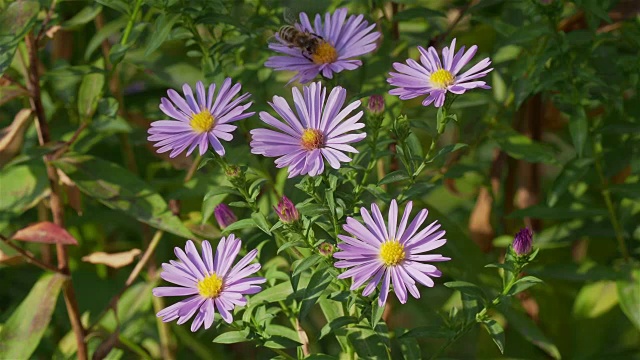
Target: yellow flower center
<point>312,139</point>
<point>441,78</point>
<point>392,253</point>
<point>202,122</point>
<point>325,53</point>
<point>210,287</point>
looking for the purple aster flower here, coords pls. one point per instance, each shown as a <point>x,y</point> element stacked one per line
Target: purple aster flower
<point>318,132</point>
<point>224,215</point>
<point>198,123</point>
<point>336,45</point>
<point>523,242</point>
<point>210,282</point>
<point>390,253</point>
<point>287,211</point>
<point>436,78</point>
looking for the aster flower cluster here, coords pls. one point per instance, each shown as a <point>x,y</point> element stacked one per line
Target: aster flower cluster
<point>314,131</point>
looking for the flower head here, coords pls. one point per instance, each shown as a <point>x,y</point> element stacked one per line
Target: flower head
<point>198,123</point>
<point>336,45</point>
<point>321,130</point>
<point>523,241</point>
<point>375,104</point>
<point>224,215</point>
<point>436,78</point>
<point>287,211</point>
<point>390,253</point>
<point>326,249</point>
<point>210,282</point>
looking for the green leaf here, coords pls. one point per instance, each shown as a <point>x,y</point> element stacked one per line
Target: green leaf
<point>595,299</point>
<point>82,17</point>
<point>90,93</point>
<point>528,329</point>
<point>209,205</point>
<point>395,176</point>
<point>522,147</point>
<point>579,130</point>
<point>629,296</point>
<point>232,337</point>
<point>467,288</point>
<point>240,224</point>
<point>281,337</point>
<point>418,189</point>
<point>120,190</point>
<point>311,210</point>
<point>376,313</point>
<point>290,244</point>
<point>470,307</point>
<point>430,332</point>
<point>496,331</point>
<point>417,12</point>
<point>15,22</point>
<point>161,30</point>
<point>23,186</point>
<point>220,190</point>
<point>627,190</point>
<point>118,5</point>
<point>447,150</point>
<point>409,346</point>
<point>571,173</point>
<point>319,281</point>
<point>556,213</point>
<point>337,323</point>
<point>262,223</point>
<point>523,284</point>
<point>331,311</point>
<point>272,294</point>
<point>368,344</point>
<point>21,333</point>
<point>306,263</point>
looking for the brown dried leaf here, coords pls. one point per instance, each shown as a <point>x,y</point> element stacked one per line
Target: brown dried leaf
<point>52,31</point>
<point>10,260</point>
<point>114,260</point>
<point>12,137</point>
<point>9,92</point>
<point>46,233</point>
<point>480,227</point>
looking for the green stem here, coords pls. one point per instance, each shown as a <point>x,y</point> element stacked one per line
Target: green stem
<point>373,160</point>
<point>334,219</point>
<point>480,315</point>
<point>134,15</point>
<point>606,194</point>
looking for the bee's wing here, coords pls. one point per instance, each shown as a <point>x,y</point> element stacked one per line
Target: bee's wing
<point>274,39</point>
<point>290,17</point>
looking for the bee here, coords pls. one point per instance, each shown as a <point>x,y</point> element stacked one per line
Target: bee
<point>295,37</point>
<point>307,42</point>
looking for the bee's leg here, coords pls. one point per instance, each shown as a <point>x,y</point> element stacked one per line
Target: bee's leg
<point>318,36</point>
<point>306,57</point>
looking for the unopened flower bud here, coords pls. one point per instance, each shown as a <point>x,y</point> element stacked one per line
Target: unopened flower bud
<point>287,211</point>
<point>232,171</point>
<point>325,249</point>
<point>402,128</point>
<point>224,215</point>
<point>523,242</point>
<point>376,104</point>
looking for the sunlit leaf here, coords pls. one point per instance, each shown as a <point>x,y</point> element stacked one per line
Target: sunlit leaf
<point>114,260</point>
<point>21,333</point>
<point>118,189</point>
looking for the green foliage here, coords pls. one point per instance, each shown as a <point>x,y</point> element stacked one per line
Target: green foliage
<point>554,145</point>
